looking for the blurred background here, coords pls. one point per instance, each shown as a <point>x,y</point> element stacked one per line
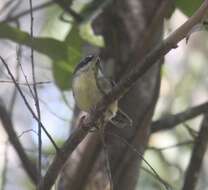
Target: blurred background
<point>184,84</point>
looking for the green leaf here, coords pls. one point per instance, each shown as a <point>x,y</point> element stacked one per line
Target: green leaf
<point>188,7</point>
<point>88,35</point>
<point>55,49</point>
<point>76,43</point>
<point>65,54</point>
<point>61,75</point>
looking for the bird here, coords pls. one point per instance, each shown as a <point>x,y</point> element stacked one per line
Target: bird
<point>90,85</point>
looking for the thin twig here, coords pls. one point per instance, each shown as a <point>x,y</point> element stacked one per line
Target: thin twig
<point>151,173</point>
<point>27,131</point>
<point>25,83</point>
<point>28,105</point>
<point>123,86</point>
<point>36,99</point>
<point>26,80</point>
<point>188,142</point>
<point>156,175</point>
<point>199,150</point>
<point>51,111</point>
<point>193,133</point>
<point>64,98</point>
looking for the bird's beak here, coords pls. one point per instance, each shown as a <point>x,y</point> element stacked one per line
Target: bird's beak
<point>98,63</point>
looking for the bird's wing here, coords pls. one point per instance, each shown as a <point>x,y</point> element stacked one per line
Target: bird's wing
<point>104,85</point>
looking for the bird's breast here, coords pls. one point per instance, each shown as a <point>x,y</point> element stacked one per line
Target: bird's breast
<point>85,91</point>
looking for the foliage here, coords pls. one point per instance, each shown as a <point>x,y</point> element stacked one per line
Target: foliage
<point>188,7</point>
<point>66,54</point>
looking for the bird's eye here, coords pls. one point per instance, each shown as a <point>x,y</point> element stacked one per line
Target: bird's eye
<point>89,58</point>
<point>84,62</point>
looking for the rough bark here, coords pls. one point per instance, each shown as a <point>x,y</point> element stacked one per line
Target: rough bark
<point>122,24</point>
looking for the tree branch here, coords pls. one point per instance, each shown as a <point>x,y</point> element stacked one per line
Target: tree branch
<point>123,86</point>
<point>60,158</point>
<point>36,98</point>
<point>177,145</point>
<point>28,166</point>
<point>28,105</point>
<point>26,84</point>
<point>198,153</point>
<point>172,120</point>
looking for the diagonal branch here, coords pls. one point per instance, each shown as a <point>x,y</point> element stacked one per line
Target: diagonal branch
<point>123,86</point>
<point>60,159</point>
<point>27,104</point>
<point>170,121</point>
<point>26,12</point>
<point>28,166</point>
<point>198,153</point>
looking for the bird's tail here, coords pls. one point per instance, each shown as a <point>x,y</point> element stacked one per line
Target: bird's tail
<point>121,119</point>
